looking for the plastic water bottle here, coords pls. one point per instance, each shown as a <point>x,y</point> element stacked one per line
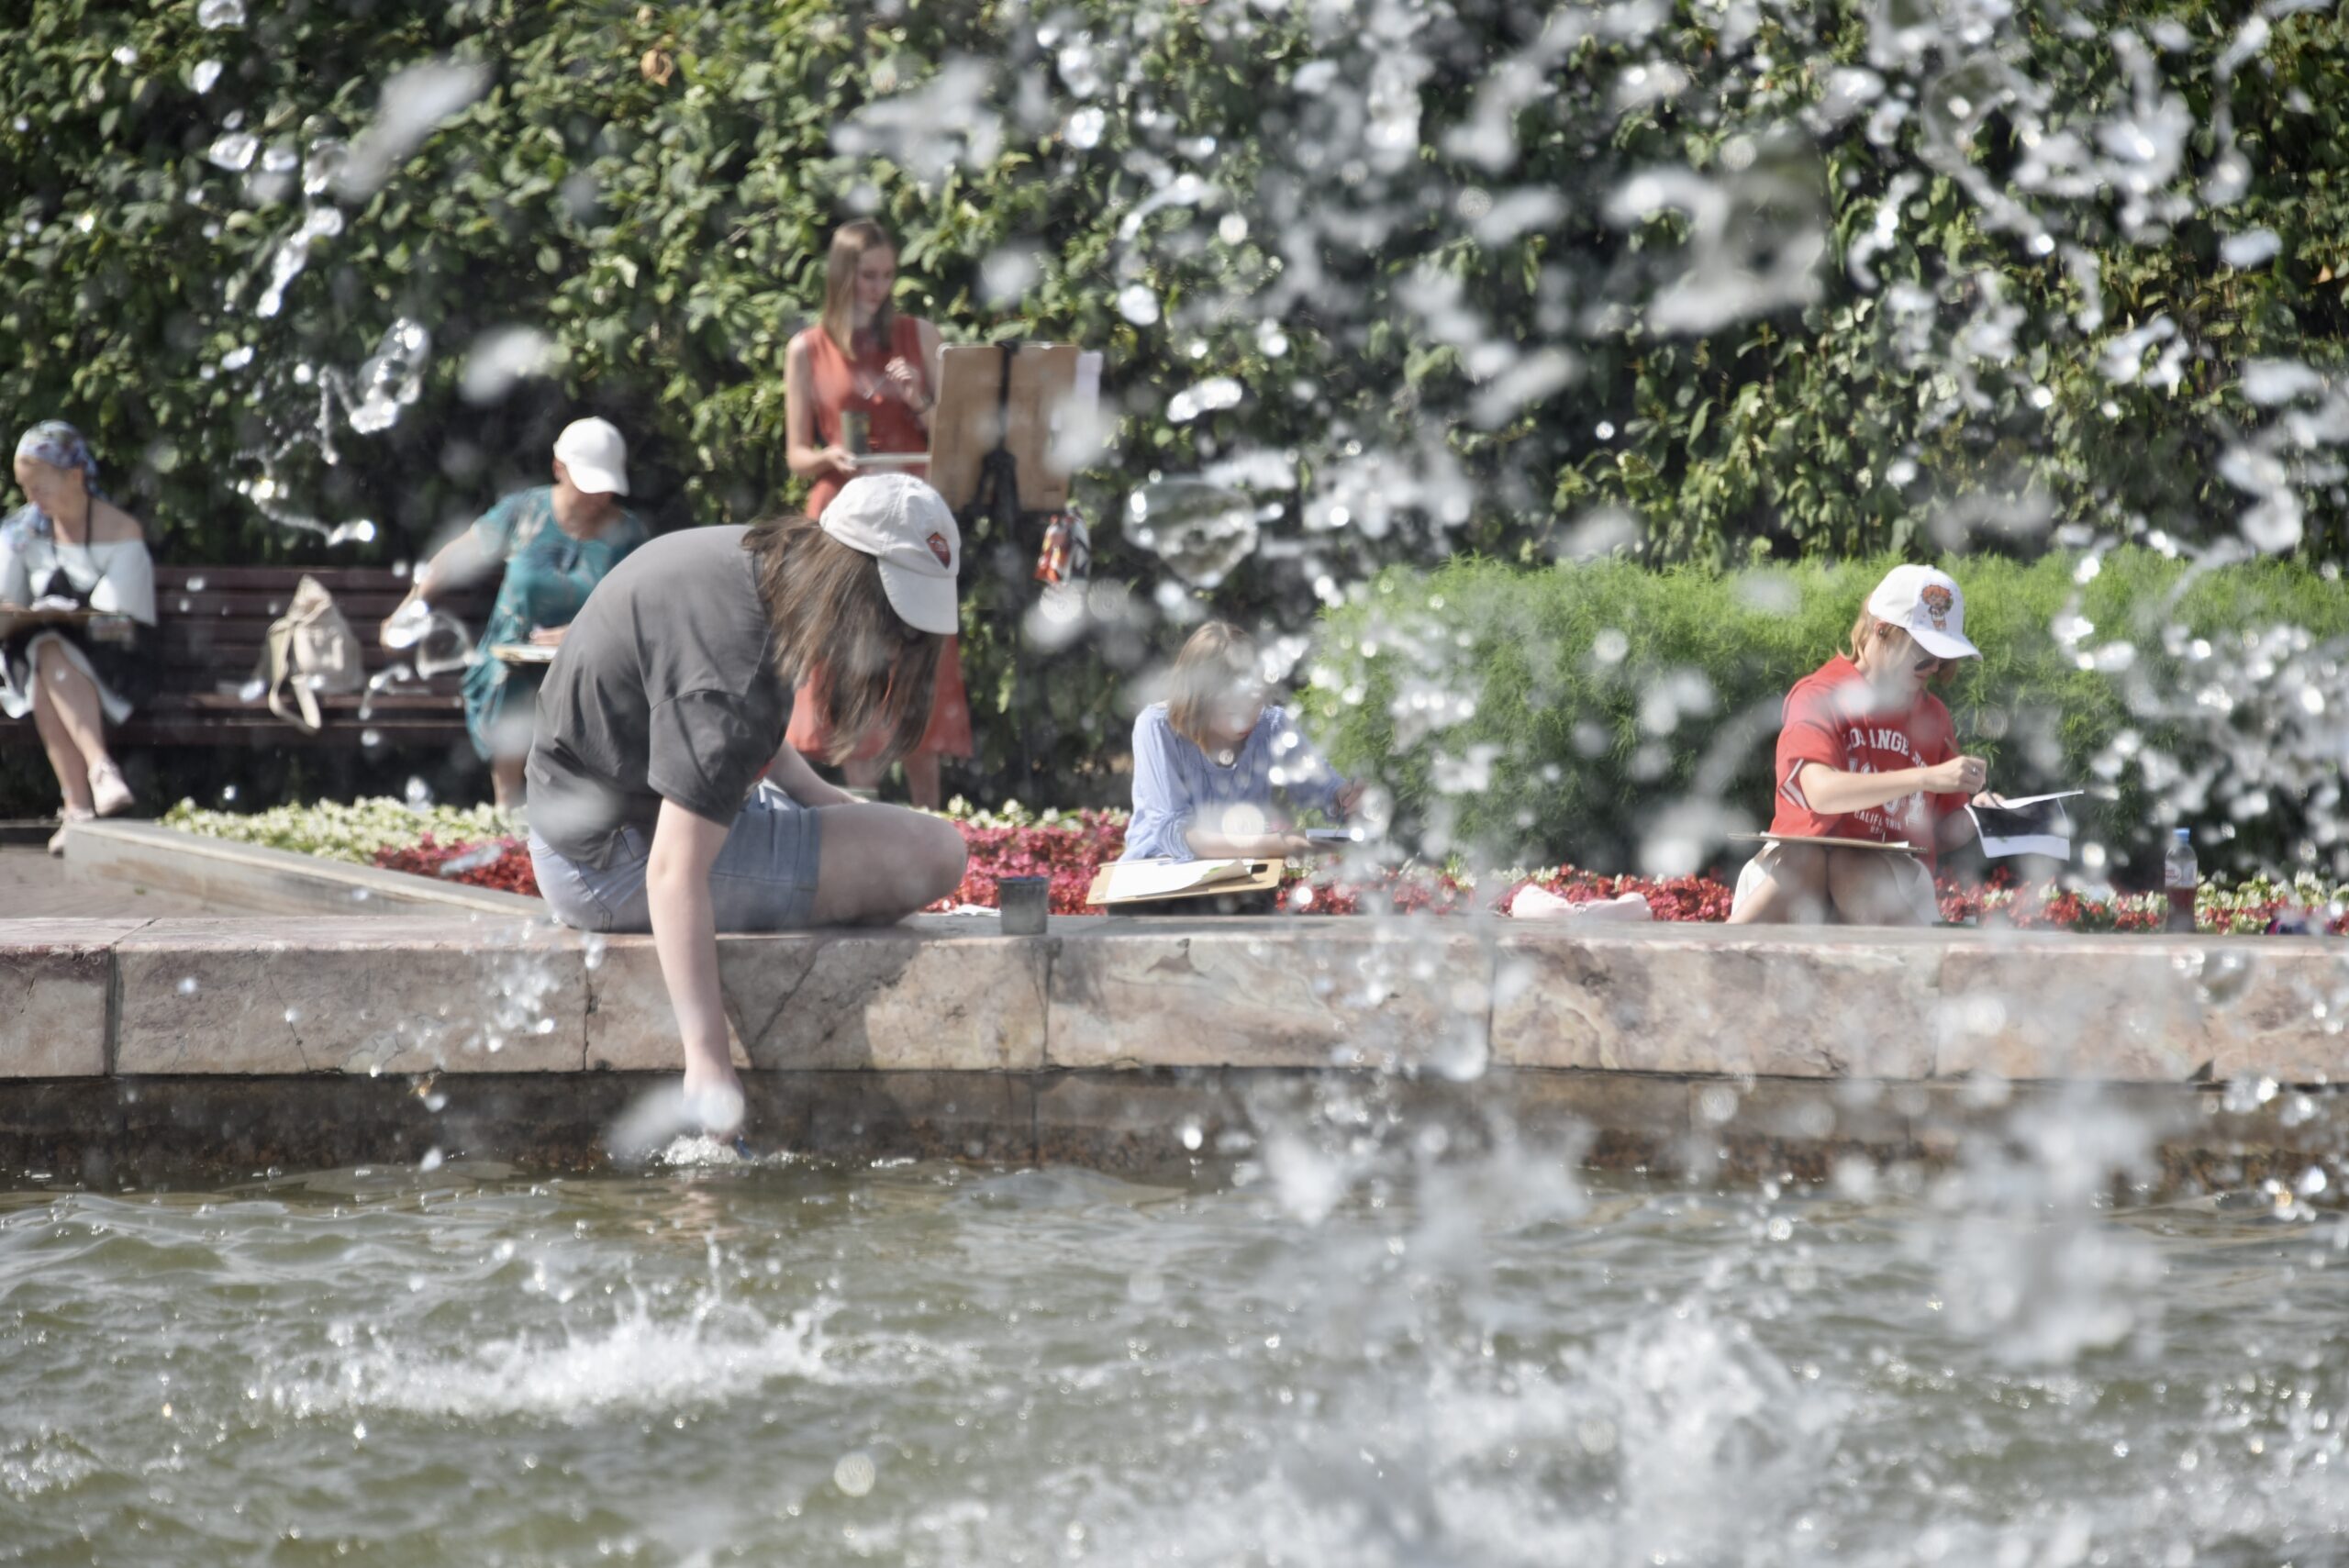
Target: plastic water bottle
<point>2180,876</point>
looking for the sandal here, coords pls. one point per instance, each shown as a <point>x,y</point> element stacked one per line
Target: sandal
<point>66,819</point>
<point>109,790</point>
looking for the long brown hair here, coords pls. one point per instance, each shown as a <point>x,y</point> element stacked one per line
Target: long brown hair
<point>1218,657</point>
<point>829,612</point>
<point>851,243</point>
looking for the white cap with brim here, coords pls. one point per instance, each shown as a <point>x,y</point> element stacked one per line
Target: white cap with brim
<point>909,529</point>
<point>592,453</point>
<point>1928,605</point>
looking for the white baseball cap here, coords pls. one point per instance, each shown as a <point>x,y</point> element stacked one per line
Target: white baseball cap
<point>908,526</point>
<point>1926,604</point>
<point>595,457</point>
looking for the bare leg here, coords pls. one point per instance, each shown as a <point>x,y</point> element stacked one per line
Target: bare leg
<point>506,781</point>
<point>1865,888</point>
<point>65,757</point>
<point>882,863</point>
<point>74,702</point>
<point>921,780</point>
<point>1792,889</point>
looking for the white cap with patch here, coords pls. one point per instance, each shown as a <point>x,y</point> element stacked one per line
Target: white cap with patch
<point>1926,604</point>
<point>592,453</point>
<point>909,529</point>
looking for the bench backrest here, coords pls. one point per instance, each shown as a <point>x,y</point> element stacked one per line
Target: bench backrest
<point>213,621</point>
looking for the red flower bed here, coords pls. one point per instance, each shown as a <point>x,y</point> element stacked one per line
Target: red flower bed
<point>501,864</point>
<point>1069,855</point>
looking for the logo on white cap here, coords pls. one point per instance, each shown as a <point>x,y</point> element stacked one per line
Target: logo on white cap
<point>907,527</point>
<point>1926,604</point>
<point>592,453</point>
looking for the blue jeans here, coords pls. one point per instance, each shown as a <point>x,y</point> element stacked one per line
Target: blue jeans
<point>764,879</point>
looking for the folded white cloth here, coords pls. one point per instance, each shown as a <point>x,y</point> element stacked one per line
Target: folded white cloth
<point>1533,903</point>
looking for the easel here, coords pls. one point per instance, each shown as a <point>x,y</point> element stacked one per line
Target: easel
<point>991,458</point>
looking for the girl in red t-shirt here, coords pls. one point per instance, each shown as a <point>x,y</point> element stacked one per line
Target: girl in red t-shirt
<point>1866,751</point>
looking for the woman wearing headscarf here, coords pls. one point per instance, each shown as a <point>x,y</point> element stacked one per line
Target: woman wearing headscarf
<point>864,365</point>
<point>69,547</point>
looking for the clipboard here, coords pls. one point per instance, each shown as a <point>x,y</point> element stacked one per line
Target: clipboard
<point>1255,876</point>
<point>521,654</point>
<point>964,427</point>
<point>1829,842</point>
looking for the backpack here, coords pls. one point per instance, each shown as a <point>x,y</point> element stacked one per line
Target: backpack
<point>311,648</point>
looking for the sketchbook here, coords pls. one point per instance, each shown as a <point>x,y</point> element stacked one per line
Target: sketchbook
<point>1129,881</point>
<point>2033,825</point>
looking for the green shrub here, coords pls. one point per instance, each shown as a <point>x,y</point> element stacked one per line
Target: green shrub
<point>1594,712</point>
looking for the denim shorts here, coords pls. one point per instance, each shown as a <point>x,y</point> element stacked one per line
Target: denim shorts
<point>764,879</point>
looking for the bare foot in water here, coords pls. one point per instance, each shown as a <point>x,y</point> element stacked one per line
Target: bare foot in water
<point>714,1105</point>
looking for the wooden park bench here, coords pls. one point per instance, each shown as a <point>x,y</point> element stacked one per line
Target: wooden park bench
<point>211,625</point>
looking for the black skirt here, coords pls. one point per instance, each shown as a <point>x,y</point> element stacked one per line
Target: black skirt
<point>124,663</point>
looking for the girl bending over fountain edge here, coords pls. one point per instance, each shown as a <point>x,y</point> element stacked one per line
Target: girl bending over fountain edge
<point>664,797</point>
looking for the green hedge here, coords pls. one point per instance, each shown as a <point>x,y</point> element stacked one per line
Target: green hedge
<point>1588,712</point>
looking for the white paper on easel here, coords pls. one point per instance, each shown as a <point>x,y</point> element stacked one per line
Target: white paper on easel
<point>1078,435</point>
<point>1162,878</point>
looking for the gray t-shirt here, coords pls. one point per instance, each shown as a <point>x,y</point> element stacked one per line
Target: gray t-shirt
<point>663,689</point>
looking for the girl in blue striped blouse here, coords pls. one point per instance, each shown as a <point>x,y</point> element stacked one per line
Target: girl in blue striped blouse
<point>1215,764</point>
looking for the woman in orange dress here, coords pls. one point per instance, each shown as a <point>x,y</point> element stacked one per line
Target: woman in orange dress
<point>864,360</point>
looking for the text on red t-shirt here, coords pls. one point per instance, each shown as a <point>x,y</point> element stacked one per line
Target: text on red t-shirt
<point>1833,717</point>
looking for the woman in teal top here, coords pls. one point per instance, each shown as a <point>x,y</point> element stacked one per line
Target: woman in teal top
<point>556,543</point>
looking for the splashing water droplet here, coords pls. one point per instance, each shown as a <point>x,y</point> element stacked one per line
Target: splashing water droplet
<point>188,986</point>
<point>854,1473</point>
<point>1138,304</point>
<point>370,739</point>
<point>320,223</point>
<point>503,356</point>
<point>235,152</point>
<point>237,358</point>
<point>206,73</point>
<point>214,15</point>
<point>1085,128</point>
<point>1201,530</point>
<point>391,378</point>
<point>1080,68</point>
<point>2252,248</point>
<point>324,166</point>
